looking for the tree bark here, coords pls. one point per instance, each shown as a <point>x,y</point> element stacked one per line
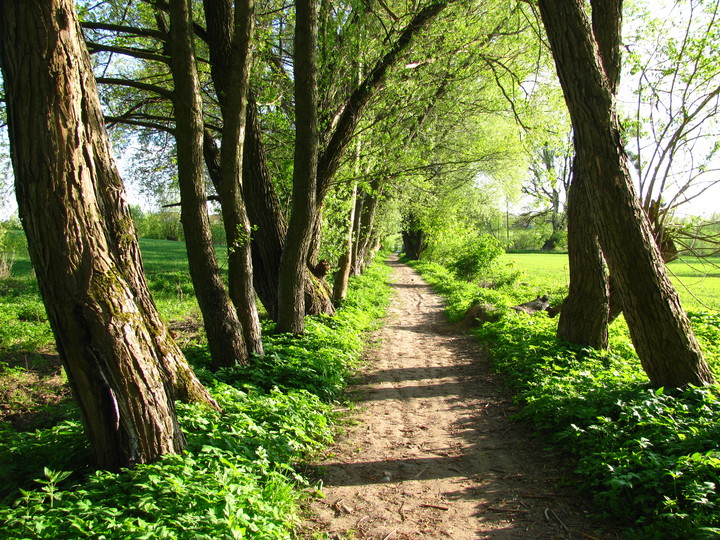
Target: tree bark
<point>291,297</point>
<point>223,329</point>
<point>584,314</point>
<point>659,328</point>
<point>265,213</point>
<point>231,70</point>
<point>119,358</point>
<point>344,264</point>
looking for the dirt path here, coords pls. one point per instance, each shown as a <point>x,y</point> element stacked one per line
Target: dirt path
<point>433,454</point>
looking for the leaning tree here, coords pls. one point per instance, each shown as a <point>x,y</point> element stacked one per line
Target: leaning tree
<point>659,328</point>
<point>122,364</point>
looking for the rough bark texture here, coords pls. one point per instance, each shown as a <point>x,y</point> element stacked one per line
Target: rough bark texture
<point>223,329</point>
<point>659,328</point>
<point>119,358</point>
<point>584,315</point>
<point>293,267</point>
<point>584,318</point>
<point>607,29</point>
<point>231,70</point>
<point>265,213</point>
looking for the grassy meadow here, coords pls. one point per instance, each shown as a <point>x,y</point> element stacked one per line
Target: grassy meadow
<point>23,324</point>
<point>697,281</point>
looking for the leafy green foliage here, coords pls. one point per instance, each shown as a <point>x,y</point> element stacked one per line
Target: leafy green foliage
<point>239,477</point>
<point>475,257</point>
<point>649,456</point>
<point>460,295</point>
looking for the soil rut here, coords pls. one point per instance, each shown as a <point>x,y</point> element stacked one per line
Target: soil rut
<point>433,454</point>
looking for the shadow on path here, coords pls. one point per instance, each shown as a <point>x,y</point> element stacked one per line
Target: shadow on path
<point>433,454</point>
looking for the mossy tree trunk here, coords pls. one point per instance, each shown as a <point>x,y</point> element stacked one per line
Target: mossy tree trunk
<point>120,361</point>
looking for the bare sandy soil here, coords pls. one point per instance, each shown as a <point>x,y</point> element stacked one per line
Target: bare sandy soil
<point>433,453</point>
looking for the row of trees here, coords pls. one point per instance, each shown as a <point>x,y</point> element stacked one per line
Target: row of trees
<point>220,78</point>
<point>361,115</point>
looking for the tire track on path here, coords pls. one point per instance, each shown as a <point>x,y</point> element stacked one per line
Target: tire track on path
<point>433,454</point>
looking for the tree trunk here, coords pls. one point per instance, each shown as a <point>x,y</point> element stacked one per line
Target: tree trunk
<point>293,267</point>
<point>359,201</point>
<point>231,70</point>
<point>413,243</point>
<point>268,222</point>
<point>120,360</point>
<point>344,264</point>
<point>659,328</point>
<point>265,213</point>
<point>584,315</point>
<point>367,223</point>
<point>223,329</point>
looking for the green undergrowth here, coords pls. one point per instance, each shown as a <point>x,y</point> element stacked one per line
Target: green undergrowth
<point>649,456</point>
<point>241,474</point>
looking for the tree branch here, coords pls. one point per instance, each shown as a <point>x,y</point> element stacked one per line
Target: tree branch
<point>114,120</point>
<point>145,32</point>
<point>330,158</point>
<point>127,51</point>
<point>154,89</point>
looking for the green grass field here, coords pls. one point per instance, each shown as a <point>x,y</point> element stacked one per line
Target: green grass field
<point>24,324</point>
<point>697,281</point>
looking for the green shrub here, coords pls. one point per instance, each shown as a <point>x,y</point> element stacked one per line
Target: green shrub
<point>475,257</point>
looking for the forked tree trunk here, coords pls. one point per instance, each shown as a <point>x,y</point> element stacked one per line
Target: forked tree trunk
<point>587,310</point>
<point>120,361</point>
<point>659,328</point>
<point>223,329</point>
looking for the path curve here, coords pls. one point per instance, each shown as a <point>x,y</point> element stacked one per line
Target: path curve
<point>433,454</point>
